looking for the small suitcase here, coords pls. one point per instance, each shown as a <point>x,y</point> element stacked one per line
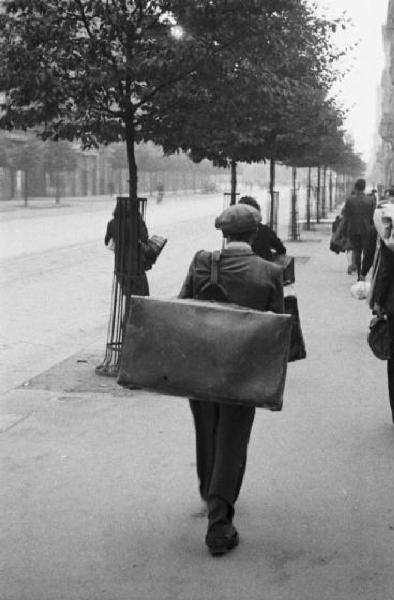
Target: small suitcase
<point>206,350</point>
<point>286,262</point>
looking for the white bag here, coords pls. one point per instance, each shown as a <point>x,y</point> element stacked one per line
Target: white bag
<point>360,290</point>
<point>383,219</point>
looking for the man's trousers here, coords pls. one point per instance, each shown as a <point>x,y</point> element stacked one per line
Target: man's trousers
<point>363,247</point>
<point>222,436</point>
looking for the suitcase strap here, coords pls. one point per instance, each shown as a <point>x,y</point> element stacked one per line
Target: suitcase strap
<point>215,258</point>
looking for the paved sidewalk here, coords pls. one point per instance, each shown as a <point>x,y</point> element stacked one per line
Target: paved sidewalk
<point>99,490</point>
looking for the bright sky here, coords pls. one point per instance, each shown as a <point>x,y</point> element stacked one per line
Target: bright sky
<point>358,90</point>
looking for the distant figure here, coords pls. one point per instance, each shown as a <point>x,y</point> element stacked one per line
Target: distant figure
<point>373,194</point>
<point>358,213</point>
<point>160,193</point>
<point>266,239</point>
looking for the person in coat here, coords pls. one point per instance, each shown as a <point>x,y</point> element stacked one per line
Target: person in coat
<point>382,302</point>
<point>129,269</point>
<point>358,214</point>
<point>223,430</point>
<point>266,242</point>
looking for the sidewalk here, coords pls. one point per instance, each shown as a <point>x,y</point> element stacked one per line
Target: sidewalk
<point>99,485</point>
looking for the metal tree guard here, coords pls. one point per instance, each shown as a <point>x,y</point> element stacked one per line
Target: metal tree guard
<point>128,273</point>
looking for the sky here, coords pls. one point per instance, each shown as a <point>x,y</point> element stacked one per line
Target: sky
<point>357,92</point>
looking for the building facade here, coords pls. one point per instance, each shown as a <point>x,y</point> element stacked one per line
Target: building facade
<point>383,170</point>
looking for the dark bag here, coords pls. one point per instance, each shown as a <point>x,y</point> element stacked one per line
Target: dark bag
<point>297,345</point>
<point>379,338</point>
<point>152,248</point>
<point>338,241</point>
<point>286,262</point>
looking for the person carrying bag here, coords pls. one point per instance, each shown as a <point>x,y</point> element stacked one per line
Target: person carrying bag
<point>381,299</point>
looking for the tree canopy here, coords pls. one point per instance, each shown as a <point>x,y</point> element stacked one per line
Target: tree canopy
<point>104,72</point>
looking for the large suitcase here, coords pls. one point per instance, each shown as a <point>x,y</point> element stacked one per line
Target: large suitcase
<point>206,350</point>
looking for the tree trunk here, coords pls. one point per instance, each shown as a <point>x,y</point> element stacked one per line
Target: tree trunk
<point>26,188</point>
<point>308,201</point>
<point>324,195</point>
<point>330,192</point>
<point>272,192</point>
<point>12,183</point>
<point>318,192</point>
<point>132,165</point>
<point>294,228</point>
<point>57,190</point>
<point>233,199</point>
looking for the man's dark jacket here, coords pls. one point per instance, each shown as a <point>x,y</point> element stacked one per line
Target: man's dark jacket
<point>248,279</point>
<point>358,213</point>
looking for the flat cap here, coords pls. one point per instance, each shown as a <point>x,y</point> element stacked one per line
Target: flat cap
<point>238,218</point>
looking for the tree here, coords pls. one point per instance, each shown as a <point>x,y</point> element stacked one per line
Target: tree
<point>255,105</point>
<point>95,70</point>
<point>58,158</point>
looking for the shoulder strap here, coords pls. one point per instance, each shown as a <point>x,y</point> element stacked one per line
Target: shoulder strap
<point>215,258</point>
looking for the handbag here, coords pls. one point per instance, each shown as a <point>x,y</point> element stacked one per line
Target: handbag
<point>338,242</point>
<point>286,262</point>
<point>152,249</point>
<point>378,337</point>
<point>297,349</point>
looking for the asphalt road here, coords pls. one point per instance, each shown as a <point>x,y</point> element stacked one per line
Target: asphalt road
<point>99,491</point>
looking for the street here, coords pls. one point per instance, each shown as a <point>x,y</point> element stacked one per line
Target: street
<point>99,493</point>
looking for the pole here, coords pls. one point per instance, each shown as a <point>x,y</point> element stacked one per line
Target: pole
<point>272,193</point>
<point>233,183</point>
<point>318,195</point>
<point>308,201</point>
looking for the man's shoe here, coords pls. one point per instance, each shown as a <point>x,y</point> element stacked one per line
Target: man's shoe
<point>222,539</point>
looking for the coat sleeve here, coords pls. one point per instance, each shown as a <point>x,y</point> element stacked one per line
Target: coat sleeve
<point>276,301</point>
<point>110,232</point>
<point>276,244</point>
<point>187,290</point>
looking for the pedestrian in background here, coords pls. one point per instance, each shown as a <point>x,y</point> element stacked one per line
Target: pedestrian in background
<point>382,292</point>
<point>266,243</point>
<point>358,214</point>
<point>223,430</point>
<point>382,302</point>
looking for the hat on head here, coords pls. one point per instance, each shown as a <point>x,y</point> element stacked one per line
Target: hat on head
<point>238,218</point>
<point>250,201</point>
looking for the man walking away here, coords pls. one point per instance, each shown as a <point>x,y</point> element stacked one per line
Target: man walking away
<point>359,227</point>
<point>223,430</point>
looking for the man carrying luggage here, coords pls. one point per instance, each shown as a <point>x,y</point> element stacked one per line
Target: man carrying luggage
<point>223,430</point>
<point>358,213</point>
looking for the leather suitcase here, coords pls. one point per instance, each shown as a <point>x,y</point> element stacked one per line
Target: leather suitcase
<point>207,351</point>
